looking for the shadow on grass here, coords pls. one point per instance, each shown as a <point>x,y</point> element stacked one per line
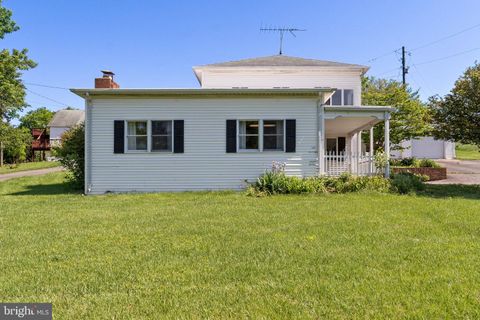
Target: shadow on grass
<point>451,191</point>
<point>47,189</point>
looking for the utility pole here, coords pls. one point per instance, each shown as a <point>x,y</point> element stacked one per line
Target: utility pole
<point>404,67</point>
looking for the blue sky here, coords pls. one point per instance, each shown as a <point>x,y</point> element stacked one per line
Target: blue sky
<point>155,43</point>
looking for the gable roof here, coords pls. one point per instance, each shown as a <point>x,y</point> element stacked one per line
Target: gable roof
<point>67,118</point>
<point>284,61</point>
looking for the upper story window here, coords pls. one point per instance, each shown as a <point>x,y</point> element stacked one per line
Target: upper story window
<point>347,97</point>
<point>341,97</point>
<point>137,136</point>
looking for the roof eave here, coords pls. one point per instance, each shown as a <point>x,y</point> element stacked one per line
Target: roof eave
<point>84,93</point>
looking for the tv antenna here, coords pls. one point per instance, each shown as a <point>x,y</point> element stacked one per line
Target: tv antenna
<point>282,31</point>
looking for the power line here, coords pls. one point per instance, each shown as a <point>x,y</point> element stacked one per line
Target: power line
<point>382,56</point>
<point>44,85</point>
<point>426,44</point>
<point>45,97</point>
<point>388,71</point>
<point>445,38</point>
<point>448,57</point>
<point>422,78</point>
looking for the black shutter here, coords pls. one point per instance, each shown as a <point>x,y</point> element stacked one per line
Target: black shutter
<point>290,132</point>
<point>118,136</point>
<point>178,137</point>
<point>231,136</point>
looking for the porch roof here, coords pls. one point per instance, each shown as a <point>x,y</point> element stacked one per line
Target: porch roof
<point>361,109</point>
<point>345,120</point>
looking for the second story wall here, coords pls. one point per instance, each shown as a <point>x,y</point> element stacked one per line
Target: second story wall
<point>258,78</point>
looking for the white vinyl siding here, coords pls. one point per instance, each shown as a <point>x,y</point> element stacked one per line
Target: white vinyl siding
<point>205,163</point>
<point>292,78</point>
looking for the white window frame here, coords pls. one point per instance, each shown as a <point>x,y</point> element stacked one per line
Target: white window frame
<point>284,135</point>
<point>149,137</point>
<point>260,135</point>
<point>161,135</point>
<point>260,131</point>
<point>342,98</point>
<point>127,135</point>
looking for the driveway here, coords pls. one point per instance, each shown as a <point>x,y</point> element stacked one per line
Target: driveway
<point>460,172</point>
<point>28,173</point>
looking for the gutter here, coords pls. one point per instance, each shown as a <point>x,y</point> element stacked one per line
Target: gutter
<point>314,92</point>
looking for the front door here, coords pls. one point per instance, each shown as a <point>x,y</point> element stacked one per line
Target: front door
<point>336,145</point>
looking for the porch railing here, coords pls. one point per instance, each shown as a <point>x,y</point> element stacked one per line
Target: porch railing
<point>361,164</point>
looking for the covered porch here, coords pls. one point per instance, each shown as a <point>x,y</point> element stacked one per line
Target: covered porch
<point>341,148</point>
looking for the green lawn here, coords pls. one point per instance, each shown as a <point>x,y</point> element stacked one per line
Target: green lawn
<point>7,168</point>
<point>226,255</point>
<point>467,152</point>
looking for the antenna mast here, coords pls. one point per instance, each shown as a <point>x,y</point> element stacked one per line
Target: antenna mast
<point>281,31</point>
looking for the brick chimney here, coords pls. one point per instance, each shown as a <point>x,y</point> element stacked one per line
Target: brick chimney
<point>106,82</point>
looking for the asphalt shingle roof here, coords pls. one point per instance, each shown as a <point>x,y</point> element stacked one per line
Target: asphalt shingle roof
<point>67,118</point>
<point>282,60</point>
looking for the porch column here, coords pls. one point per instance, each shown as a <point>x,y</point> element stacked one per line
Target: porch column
<point>359,142</point>
<point>371,153</point>
<point>371,142</point>
<point>321,140</point>
<point>387,144</point>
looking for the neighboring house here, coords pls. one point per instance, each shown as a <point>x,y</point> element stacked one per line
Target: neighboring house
<point>62,121</point>
<point>305,113</point>
<point>40,143</point>
<point>426,147</point>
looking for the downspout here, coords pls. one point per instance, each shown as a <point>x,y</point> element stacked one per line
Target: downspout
<point>87,126</point>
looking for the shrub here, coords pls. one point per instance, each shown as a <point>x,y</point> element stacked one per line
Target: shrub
<point>278,183</point>
<point>71,152</point>
<point>407,182</point>
<point>428,163</point>
<point>414,163</point>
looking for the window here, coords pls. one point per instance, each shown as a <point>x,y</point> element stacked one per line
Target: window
<point>348,97</point>
<point>273,135</point>
<point>248,135</point>
<point>162,136</point>
<point>341,97</point>
<point>337,98</point>
<point>137,136</point>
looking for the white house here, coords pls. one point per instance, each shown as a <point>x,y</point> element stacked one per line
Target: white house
<point>303,112</point>
<point>62,121</point>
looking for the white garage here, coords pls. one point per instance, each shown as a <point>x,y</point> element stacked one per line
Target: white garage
<point>426,147</point>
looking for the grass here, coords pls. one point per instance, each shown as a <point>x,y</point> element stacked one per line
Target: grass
<point>226,255</point>
<point>467,152</point>
<point>7,168</point>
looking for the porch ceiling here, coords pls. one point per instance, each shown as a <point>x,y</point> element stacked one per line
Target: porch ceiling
<point>342,126</point>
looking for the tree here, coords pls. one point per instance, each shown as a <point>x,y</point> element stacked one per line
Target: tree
<point>16,142</point>
<point>411,118</point>
<point>38,118</point>
<point>457,115</point>
<point>12,90</point>
<point>7,25</point>
<point>72,153</point>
